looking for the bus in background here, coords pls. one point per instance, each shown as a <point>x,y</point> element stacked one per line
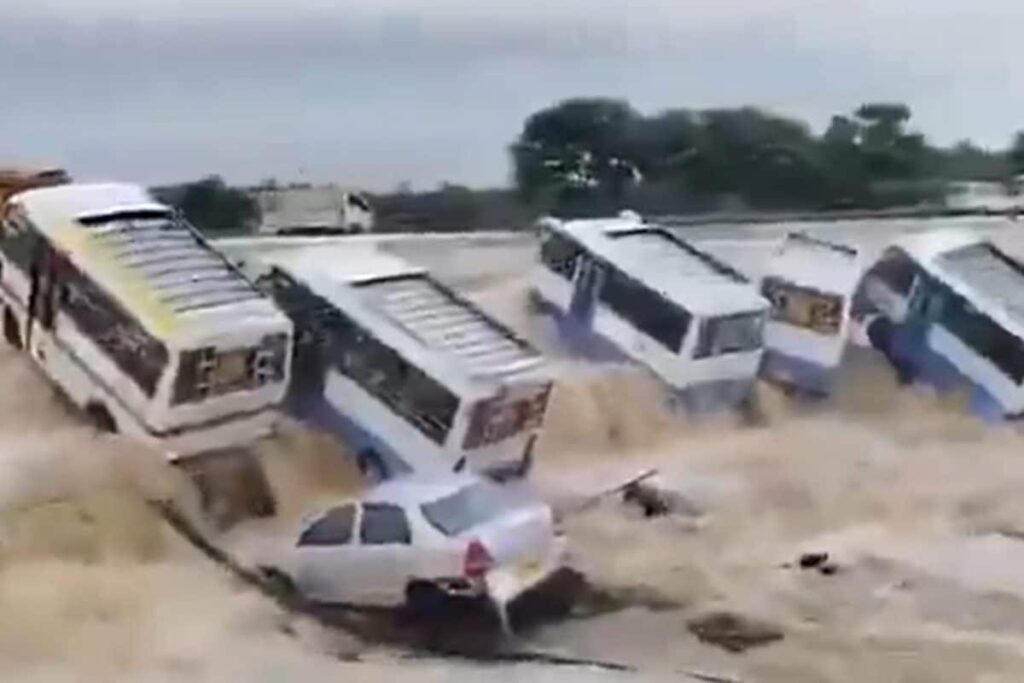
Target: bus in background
<point>810,284</point>
<point>947,308</point>
<point>130,313</point>
<point>629,289</point>
<point>413,377</point>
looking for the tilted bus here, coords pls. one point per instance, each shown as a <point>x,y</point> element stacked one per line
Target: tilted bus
<point>404,370</point>
<point>810,284</point>
<point>131,314</point>
<point>947,308</point>
<point>637,290</point>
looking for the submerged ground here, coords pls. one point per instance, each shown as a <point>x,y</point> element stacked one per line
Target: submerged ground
<point>918,506</point>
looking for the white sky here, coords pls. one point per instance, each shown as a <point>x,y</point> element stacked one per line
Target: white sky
<point>372,92</point>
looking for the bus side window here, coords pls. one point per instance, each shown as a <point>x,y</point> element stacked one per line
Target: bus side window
<point>658,318</point>
<point>382,372</point>
<point>18,242</point>
<point>984,336</point>
<point>139,355</point>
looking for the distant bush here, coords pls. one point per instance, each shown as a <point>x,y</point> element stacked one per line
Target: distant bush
<point>212,206</point>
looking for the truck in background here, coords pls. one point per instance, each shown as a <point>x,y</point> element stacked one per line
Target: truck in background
<point>313,210</point>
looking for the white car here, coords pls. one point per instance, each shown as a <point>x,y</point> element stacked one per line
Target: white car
<point>416,542</point>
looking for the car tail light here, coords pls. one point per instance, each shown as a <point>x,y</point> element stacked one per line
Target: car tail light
<point>478,561</point>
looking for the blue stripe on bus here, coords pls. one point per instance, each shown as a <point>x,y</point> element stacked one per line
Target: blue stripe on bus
<point>909,348</point>
<point>711,397</point>
<point>316,411</point>
<point>798,372</point>
<point>579,336</point>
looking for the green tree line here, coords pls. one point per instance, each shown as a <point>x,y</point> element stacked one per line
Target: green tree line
<point>592,156</point>
<point>597,156</point>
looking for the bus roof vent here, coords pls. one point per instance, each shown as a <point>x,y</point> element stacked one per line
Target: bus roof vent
<point>444,321</point>
<point>186,273</point>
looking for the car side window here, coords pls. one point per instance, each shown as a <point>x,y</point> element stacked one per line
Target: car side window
<point>384,525</point>
<point>333,528</point>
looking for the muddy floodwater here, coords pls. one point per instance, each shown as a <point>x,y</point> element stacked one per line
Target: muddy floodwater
<point>918,508</point>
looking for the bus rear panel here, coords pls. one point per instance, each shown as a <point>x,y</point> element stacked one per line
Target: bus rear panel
<point>810,285</point>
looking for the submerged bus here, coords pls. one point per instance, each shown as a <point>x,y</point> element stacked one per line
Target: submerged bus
<point>133,317</point>
<point>625,288</point>
<point>947,308</point>
<point>810,284</point>
<point>410,375</point>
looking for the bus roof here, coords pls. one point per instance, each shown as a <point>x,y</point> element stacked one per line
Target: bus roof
<point>159,268</point>
<point>668,264</point>
<point>975,268</point>
<point>813,262</point>
<point>343,260</point>
<point>400,300</point>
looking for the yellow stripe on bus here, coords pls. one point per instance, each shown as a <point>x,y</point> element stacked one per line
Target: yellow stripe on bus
<point>133,288</point>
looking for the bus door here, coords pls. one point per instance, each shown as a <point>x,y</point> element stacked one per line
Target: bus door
<point>911,343</point>
<point>589,277</point>
<point>42,298</point>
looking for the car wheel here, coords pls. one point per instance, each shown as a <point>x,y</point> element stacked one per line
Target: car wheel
<point>278,582</point>
<point>100,418</point>
<point>12,333</point>
<point>424,600</point>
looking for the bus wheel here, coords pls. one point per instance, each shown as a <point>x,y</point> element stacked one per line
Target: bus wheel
<point>11,331</point>
<point>100,418</point>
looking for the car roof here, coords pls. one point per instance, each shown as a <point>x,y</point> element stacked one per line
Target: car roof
<point>414,490</point>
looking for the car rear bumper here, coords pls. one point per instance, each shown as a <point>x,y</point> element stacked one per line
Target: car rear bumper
<point>506,583</point>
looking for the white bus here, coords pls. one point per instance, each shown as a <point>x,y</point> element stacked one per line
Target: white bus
<point>408,373</point>
<point>622,286</point>
<point>138,321</point>
<point>947,308</point>
<point>810,284</point>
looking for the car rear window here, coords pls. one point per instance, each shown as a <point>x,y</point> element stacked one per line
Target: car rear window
<point>334,528</point>
<point>468,507</point>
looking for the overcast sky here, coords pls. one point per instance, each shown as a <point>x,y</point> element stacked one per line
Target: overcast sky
<point>373,92</point>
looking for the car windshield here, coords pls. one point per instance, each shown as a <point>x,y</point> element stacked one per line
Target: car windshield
<point>468,507</point>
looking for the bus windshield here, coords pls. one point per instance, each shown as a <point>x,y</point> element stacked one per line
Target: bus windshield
<point>730,334</point>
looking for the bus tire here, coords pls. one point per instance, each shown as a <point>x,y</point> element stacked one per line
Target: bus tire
<point>100,418</point>
<point>12,332</point>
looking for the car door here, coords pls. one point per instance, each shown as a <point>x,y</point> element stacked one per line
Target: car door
<point>386,554</point>
<point>326,554</point>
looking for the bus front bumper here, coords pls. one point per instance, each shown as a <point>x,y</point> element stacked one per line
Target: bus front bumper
<point>229,432</point>
<point>714,396</point>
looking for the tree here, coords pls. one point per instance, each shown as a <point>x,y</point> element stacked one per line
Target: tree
<point>578,148</point>
<point>665,144</point>
<point>967,161</point>
<point>1017,153</point>
<point>767,160</point>
<point>211,205</point>
<point>882,123</point>
<point>889,152</point>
